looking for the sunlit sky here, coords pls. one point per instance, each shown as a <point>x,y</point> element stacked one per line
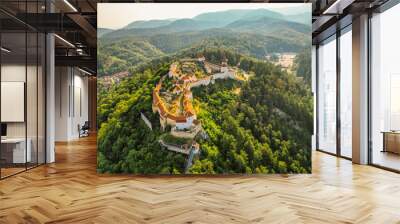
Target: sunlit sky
<point>118,15</point>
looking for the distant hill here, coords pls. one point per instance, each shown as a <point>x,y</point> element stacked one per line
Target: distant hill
<point>270,26</point>
<point>180,25</point>
<point>298,9</point>
<point>209,21</point>
<point>147,24</point>
<point>226,17</point>
<point>187,25</point>
<point>255,33</point>
<point>262,13</point>
<point>119,55</point>
<point>304,18</point>
<point>103,31</point>
<point>246,43</point>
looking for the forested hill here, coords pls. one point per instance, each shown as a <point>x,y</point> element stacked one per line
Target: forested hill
<point>103,31</point>
<point>117,56</point>
<point>220,19</point>
<point>255,33</point>
<point>260,126</point>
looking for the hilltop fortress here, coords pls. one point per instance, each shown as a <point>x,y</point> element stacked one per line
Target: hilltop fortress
<point>172,96</point>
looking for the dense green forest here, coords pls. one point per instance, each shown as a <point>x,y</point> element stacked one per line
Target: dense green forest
<point>302,65</point>
<point>265,127</point>
<point>125,143</point>
<point>120,55</point>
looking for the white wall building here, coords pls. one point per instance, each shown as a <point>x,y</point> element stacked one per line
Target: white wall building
<point>200,82</point>
<point>180,125</point>
<point>224,75</point>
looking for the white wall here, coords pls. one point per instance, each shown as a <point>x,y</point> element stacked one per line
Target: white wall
<point>13,101</point>
<point>10,73</point>
<point>13,72</point>
<point>33,126</point>
<point>62,82</point>
<point>71,102</point>
<point>80,109</point>
<point>16,73</point>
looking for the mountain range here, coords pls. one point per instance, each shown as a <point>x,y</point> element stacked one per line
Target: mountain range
<point>255,32</point>
<point>223,19</point>
<point>103,31</point>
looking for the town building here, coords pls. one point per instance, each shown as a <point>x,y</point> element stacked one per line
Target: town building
<point>184,119</point>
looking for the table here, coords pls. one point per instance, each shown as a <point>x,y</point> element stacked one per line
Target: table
<point>391,141</point>
<point>13,150</point>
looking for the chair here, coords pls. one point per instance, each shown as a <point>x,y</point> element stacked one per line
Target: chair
<point>84,130</point>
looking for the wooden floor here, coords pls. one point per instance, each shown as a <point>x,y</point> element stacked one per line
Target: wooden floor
<point>5,172</point>
<point>70,191</point>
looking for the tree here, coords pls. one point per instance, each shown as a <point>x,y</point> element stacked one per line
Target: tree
<point>302,65</point>
<point>264,129</point>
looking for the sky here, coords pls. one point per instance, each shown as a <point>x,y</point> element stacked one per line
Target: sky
<point>118,15</point>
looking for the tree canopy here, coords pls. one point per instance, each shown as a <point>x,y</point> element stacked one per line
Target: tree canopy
<point>265,127</point>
